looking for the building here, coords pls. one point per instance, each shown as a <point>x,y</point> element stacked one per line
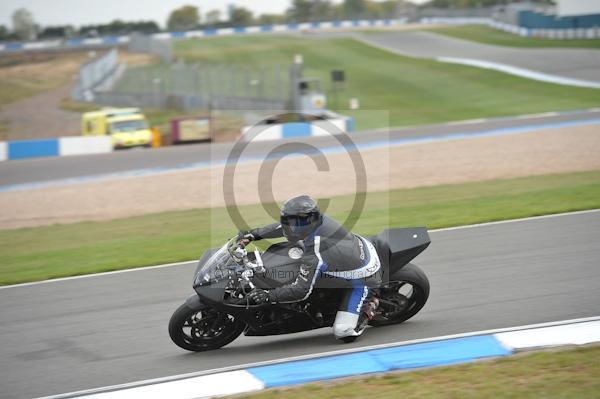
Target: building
<point>567,14</point>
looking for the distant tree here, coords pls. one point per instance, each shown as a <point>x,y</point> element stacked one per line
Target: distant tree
<point>443,3</point>
<point>184,18</point>
<point>390,8</point>
<point>337,11</point>
<point>240,16</point>
<point>301,10</point>
<point>374,9</point>
<point>472,3</point>
<point>24,24</point>
<point>270,19</point>
<point>147,27</point>
<point>4,33</point>
<point>310,10</point>
<point>322,10</point>
<point>354,8</point>
<point>213,17</point>
<point>381,9</point>
<point>118,27</point>
<point>52,32</point>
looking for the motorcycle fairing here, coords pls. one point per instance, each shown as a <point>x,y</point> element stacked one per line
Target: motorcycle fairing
<point>396,248</point>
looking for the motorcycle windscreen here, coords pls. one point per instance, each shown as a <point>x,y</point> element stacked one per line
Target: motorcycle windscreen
<point>214,266</point>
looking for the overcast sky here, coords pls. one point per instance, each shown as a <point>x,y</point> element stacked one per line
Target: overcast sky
<point>84,12</point>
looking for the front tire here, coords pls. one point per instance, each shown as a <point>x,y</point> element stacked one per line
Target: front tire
<point>199,330</point>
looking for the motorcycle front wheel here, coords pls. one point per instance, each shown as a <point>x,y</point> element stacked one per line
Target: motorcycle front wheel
<point>202,330</point>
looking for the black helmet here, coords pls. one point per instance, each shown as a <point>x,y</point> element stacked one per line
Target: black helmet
<point>300,217</point>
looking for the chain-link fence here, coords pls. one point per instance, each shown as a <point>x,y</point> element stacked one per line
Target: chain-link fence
<point>185,86</point>
<point>140,43</point>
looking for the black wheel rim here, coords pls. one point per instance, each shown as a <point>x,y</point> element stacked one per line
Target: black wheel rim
<point>396,299</point>
<point>207,325</point>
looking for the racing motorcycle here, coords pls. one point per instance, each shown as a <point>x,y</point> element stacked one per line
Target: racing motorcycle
<point>219,312</point>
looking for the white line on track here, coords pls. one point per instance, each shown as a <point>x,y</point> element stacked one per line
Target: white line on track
<point>97,274</point>
<point>493,119</point>
<point>468,226</point>
<point>554,215</point>
<point>508,69</point>
<point>467,122</point>
<point>540,115</point>
<point>522,72</point>
<point>316,355</point>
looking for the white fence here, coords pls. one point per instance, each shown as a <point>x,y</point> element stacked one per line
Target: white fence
<point>112,41</point>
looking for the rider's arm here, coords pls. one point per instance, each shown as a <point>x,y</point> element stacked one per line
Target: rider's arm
<point>273,230</point>
<point>302,286</point>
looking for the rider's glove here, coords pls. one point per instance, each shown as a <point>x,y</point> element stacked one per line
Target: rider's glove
<point>258,296</point>
<point>245,237</point>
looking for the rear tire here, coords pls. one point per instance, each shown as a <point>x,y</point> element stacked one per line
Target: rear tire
<point>403,297</point>
<point>199,330</point>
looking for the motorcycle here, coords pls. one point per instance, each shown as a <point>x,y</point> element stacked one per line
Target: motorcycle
<point>219,312</point>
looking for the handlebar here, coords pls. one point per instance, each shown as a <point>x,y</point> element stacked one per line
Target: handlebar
<point>237,251</point>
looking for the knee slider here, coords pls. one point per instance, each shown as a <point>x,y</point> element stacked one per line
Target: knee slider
<point>344,330</point>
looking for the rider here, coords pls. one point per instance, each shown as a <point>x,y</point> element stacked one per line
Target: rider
<point>329,251</point>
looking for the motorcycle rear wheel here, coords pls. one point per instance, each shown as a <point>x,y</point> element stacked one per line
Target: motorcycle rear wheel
<point>202,330</point>
<point>403,297</point>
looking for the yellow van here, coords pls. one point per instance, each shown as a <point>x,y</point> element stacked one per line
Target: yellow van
<point>126,126</point>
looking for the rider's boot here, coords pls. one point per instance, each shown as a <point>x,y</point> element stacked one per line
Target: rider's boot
<point>347,333</point>
<point>367,313</point>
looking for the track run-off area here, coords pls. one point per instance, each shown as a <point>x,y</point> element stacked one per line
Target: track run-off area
<point>47,172</point>
<point>107,329</point>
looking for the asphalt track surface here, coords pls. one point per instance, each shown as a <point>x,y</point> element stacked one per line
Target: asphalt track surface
<point>75,167</point>
<point>69,335</point>
<point>565,62</point>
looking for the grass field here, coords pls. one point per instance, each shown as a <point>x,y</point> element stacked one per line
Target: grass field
<point>40,253</point>
<point>565,373</point>
<point>24,77</point>
<point>487,35</point>
<point>416,91</point>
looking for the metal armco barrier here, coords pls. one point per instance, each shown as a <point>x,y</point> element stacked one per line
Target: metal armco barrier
<point>558,33</point>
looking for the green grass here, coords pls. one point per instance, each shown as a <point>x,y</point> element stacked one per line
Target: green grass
<point>487,35</point>
<point>13,88</point>
<point>3,130</point>
<point>566,373</point>
<point>23,76</point>
<point>415,91</point>
<point>31,254</point>
<point>13,91</point>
